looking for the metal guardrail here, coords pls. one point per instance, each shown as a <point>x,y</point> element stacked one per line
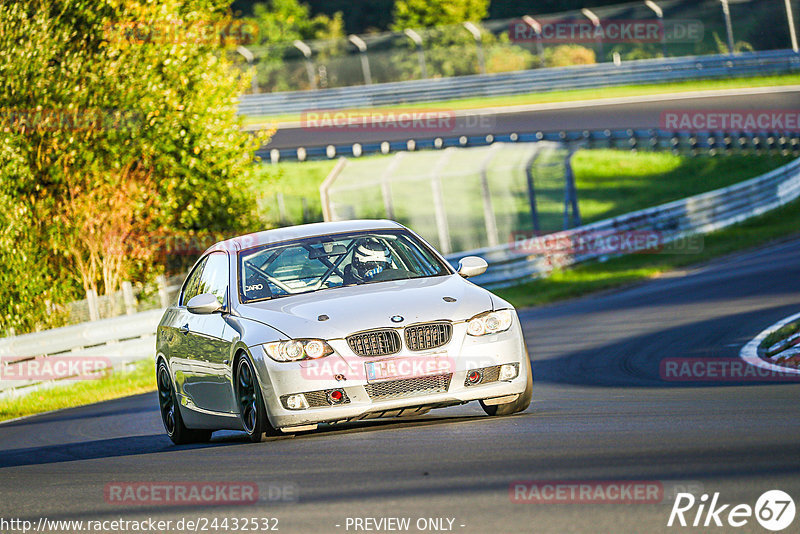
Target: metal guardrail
<point>680,142</point>
<point>699,214</point>
<point>114,341</point>
<point>530,81</point>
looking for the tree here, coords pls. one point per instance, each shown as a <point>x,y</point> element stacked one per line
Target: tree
<point>506,9</point>
<point>281,22</point>
<point>359,17</point>
<point>568,55</point>
<point>449,48</point>
<point>27,283</point>
<point>430,13</point>
<point>119,121</point>
<point>286,20</point>
<point>107,241</point>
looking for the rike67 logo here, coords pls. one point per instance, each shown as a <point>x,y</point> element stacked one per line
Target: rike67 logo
<point>774,510</point>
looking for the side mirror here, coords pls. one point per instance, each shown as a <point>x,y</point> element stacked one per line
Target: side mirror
<point>203,304</point>
<point>472,266</point>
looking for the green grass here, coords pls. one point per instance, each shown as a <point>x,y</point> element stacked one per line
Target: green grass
<point>615,182</point>
<point>624,270</point>
<point>780,334</point>
<point>294,180</point>
<point>609,182</point>
<point>139,379</point>
<point>572,95</point>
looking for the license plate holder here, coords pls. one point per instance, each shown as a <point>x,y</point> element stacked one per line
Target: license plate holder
<point>400,368</point>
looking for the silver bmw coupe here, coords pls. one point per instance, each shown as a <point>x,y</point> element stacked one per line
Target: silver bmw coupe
<point>285,329</point>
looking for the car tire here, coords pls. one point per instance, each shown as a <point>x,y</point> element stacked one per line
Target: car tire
<point>250,402</point>
<point>170,410</point>
<point>519,405</point>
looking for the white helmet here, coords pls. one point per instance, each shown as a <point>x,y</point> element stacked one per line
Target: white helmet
<point>370,257</point>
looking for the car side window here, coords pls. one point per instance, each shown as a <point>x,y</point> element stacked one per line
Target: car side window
<point>192,284</point>
<point>214,278</point>
<point>415,258</point>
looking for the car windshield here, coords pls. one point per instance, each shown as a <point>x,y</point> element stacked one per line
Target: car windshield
<point>326,262</point>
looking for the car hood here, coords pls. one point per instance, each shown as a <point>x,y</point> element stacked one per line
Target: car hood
<point>356,308</point>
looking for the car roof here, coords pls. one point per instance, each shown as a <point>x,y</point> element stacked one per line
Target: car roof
<point>300,232</point>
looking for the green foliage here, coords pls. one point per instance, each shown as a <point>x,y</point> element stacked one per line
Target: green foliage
<point>119,121</point>
<point>781,334</point>
<point>450,50</point>
<point>738,46</point>
<point>280,22</point>
<point>504,56</point>
<point>430,13</point>
<point>25,278</point>
<point>286,20</point>
<point>369,16</point>
<point>632,52</point>
<point>502,9</point>
<point>567,55</point>
<point>359,17</point>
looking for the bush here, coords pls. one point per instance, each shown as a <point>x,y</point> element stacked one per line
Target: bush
<point>567,55</point>
<point>507,57</point>
<point>119,122</point>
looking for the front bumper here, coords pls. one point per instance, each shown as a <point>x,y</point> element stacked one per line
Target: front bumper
<point>344,370</point>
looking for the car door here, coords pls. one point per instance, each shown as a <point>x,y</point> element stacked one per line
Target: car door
<point>205,344</point>
<point>177,331</point>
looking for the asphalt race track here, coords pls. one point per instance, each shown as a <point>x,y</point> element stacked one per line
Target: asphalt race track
<point>601,412</point>
<point>553,118</point>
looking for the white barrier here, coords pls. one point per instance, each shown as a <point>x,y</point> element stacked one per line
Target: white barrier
<point>117,341</point>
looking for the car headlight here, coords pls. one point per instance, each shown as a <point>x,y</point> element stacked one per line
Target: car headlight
<point>297,349</point>
<point>489,323</point>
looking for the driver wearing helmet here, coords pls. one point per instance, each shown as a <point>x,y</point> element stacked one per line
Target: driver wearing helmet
<point>370,257</point>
